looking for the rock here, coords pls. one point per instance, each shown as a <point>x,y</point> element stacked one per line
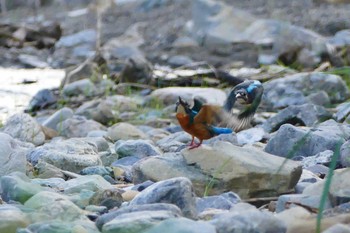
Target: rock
<point>45,170</point>
<point>291,200</point>
<point>230,166</point>
<point>88,182</point>
<point>149,5</point>
<point>85,226</point>
<point>79,126</point>
<point>97,133</point>
<point>345,155</point>
<point>174,142</point>
<point>179,60</point>
<point>137,209</point>
<point>343,110</point>
<point>96,170</point>
<point>43,99</point>
<point>31,61</point>
<point>319,170</point>
<point>306,114</point>
<point>17,187</point>
<point>338,228</point>
<point>55,120</point>
<point>85,36</point>
<point>324,158</point>
<point>308,176</point>
<point>169,95</point>
<point>129,195</point>
<point>44,202</point>
<point>178,191</point>
<point>124,131</point>
<point>231,138</point>
<point>136,222</point>
<point>175,225</point>
<point>307,58</point>
<point>274,35</point>
<point>292,89</point>
<point>251,220</point>
<point>139,148</point>
<point>23,127</point>
<point>210,25</point>
<point>108,197</point>
<point>185,43</point>
<point>224,201</point>
<point>12,218</point>
<point>54,183</point>
<point>142,186</point>
<point>12,155</point>
<point>100,143</point>
<point>126,45</point>
<point>81,87</point>
<point>319,98</point>
<point>250,136</point>
<point>72,154</point>
<point>325,136</point>
<point>340,39</point>
<point>137,70</point>
<point>107,110</point>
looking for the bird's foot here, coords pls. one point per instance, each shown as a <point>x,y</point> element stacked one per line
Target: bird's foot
<point>195,146</point>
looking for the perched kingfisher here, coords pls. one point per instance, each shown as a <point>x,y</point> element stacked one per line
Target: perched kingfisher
<point>199,124</point>
<point>204,121</point>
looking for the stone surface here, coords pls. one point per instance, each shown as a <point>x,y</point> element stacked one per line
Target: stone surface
<point>56,119</point>
<point>43,99</point>
<point>83,87</point>
<point>12,218</point>
<point>85,226</point>
<point>224,201</point>
<point>137,70</point>
<point>174,142</point>
<point>17,187</point>
<point>139,148</point>
<point>45,170</point>
<point>124,131</point>
<point>290,141</point>
<point>324,158</point>
<point>306,114</point>
<point>291,200</point>
<point>292,89</point>
<point>72,154</point>
<point>341,38</point>
<point>85,36</point>
<point>250,220</point>
<point>88,182</point>
<point>250,136</point>
<point>114,214</point>
<point>79,126</point>
<point>23,127</point>
<point>338,228</point>
<point>108,109</point>
<point>169,95</point>
<point>345,154</point>
<point>178,191</point>
<point>343,110</point>
<point>175,225</point>
<point>12,155</point>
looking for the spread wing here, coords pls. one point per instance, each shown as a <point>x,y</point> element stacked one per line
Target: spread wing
<point>208,114</point>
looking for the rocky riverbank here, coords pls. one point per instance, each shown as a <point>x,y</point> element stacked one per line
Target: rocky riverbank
<point>104,152</point>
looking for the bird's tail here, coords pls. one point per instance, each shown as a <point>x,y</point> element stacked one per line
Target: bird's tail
<point>219,130</point>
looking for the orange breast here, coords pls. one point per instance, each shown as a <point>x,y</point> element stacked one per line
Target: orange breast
<point>196,129</point>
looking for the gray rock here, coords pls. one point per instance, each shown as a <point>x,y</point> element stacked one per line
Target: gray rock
<point>124,131</point>
<point>149,5</point>
<point>176,225</point>
<point>345,154</point>
<point>217,202</point>
<point>45,170</point>
<point>31,61</point>
<point>319,98</point>
<point>24,127</point>
<point>174,142</point>
<point>114,214</point>
<point>306,114</point>
<point>185,43</point>
<point>142,186</point>
<point>250,220</point>
<point>179,60</point>
<point>139,148</point>
<point>170,95</point>
<point>97,133</point>
<point>178,191</point>
<point>12,218</point>
<point>126,45</point>
<point>343,110</point>
<point>210,25</point>
<point>12,155</point>
<point>107,110</point>
<point>55,120</point>
<point>307,58</point>
<point>85,36</point>
<point>250,136</point>
<point>109,198</point>
<point>49,182</point>
<point>96,170</point>
<point>230,166</point>
<point>300,187</point>
<point>136,222</point>
<point>99,142</point>
<point>88,182</point>
<point>44,202</point>
<point>81,87</point>
<point>137,70</point>
<point>341,38</point>
<point>72,154</point>
<point>323,157</point>
<point>43,99</point>
<point>292,89</point>
<point>60,226</point>
<point>17,187</point>
<point>231,138</point>
<point>290,141</point>
<point>338,228</point>
<point>79,126</point>
<point>291,200</point>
